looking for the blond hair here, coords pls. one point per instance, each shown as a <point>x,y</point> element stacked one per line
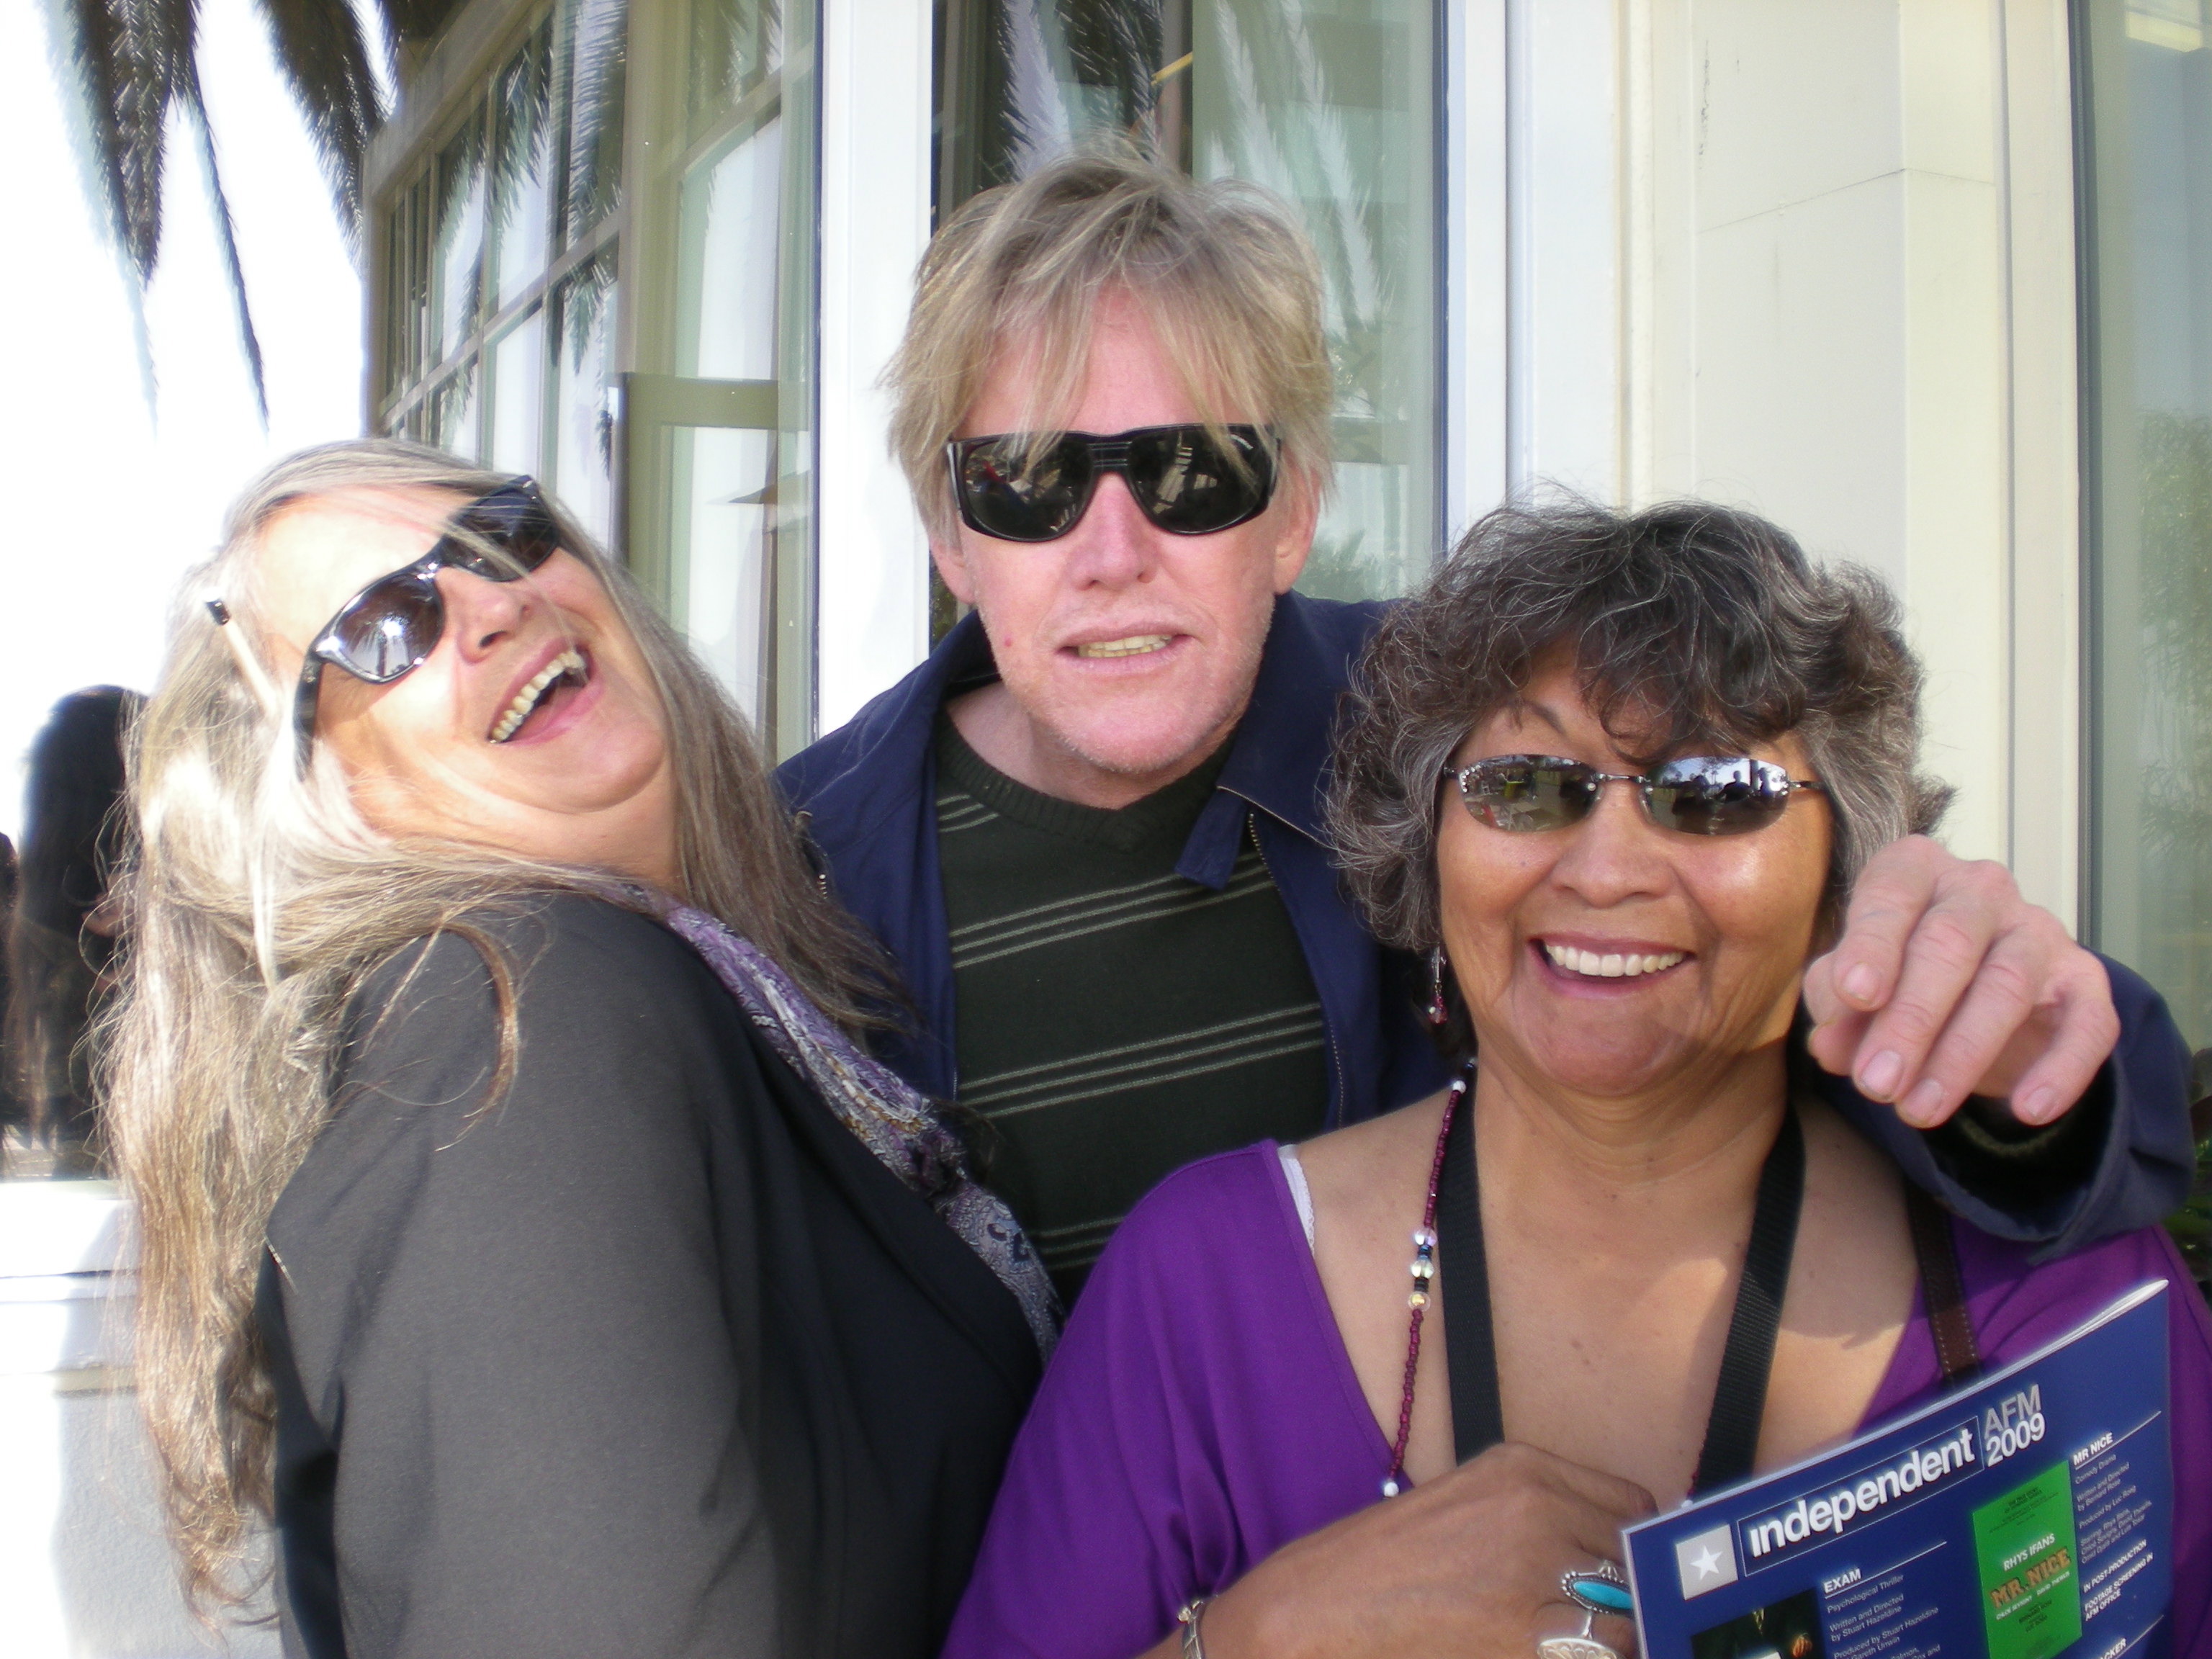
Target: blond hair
<point>1222,271</point>
<point>260,900</point>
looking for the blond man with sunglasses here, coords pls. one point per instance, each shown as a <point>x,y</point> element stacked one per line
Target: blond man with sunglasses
<point>1088,827</point>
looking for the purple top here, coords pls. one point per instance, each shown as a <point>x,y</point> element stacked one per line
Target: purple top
<point>1201,1413</point>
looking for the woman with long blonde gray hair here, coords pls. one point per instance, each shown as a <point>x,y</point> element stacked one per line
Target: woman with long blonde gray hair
<point>524,1229</point>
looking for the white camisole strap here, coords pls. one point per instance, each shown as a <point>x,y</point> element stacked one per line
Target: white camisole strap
<point>1302,1195</point>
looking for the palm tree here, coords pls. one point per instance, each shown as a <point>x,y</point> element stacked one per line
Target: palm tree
<point>136,65</point>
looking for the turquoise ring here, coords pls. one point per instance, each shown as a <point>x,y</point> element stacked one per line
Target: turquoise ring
<point>1600,1590</point>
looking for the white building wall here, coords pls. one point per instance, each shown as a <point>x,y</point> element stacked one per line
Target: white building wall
<point>1816,258</point>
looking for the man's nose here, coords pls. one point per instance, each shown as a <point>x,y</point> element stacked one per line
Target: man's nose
<point>1114,545</point>
<point>479,612</point>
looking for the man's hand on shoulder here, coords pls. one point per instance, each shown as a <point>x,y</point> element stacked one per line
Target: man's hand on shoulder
<point>1946,983</point>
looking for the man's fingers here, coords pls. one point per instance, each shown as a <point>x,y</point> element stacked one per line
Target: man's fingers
<point>2087,1028</point>
<point>1999,1002</point>
<point>1835,1045</point>
<point>1837,1026</point>
<point>1886,904</point>
<point>1944,953</point>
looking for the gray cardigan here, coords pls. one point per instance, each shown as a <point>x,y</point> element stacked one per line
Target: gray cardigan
<point>649,1356</point>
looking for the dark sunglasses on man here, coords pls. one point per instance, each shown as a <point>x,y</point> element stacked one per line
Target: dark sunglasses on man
<point>390,628</point>
<point>1187,480</point>
<point>1700,795</point>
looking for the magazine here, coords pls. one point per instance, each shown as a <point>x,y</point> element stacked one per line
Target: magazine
<point>2026,1515</point>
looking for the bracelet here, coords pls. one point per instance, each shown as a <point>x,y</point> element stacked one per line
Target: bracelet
<point>1187,1616</point>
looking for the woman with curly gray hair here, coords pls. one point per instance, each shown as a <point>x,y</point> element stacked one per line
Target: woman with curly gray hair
<point>1613,772</point>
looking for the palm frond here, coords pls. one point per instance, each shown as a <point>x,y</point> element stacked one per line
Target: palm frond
<point>322,55</point>
<point>125,54</point>
<point>249,339</point>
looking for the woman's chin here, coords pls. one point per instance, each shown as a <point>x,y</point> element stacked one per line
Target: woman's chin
<point>1614,1066</point>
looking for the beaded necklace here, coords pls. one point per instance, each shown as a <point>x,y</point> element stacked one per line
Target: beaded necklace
<point>1739,1396</point>
<point>1423,1271</point>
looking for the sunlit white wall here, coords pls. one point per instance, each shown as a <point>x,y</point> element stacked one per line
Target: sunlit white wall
<point>109,500</point>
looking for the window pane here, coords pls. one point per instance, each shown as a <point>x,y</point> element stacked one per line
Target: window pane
<point>407,297</point>
<point>590,67</point>
<point>453,413</point>
<point>2148,486</point>
<point>727,321</point>
<point>583,426</point>
<point>718,503</point>
<point>736,45</point>
<point>722,554</point>
<point>457,278</point>
<point>518,403</point>
<point>1328,103</point>
<point>521,203</point>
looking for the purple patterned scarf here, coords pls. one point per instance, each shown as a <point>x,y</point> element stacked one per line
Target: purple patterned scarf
<point>892,1119</point>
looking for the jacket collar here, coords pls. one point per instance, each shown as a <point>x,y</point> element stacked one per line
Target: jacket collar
<point>1278,757</point>
<point>854,783</point>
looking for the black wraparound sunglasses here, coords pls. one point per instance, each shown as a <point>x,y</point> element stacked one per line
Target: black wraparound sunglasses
<point>1701,795</point>
<point>1186,479</point>
<point>391,627</point>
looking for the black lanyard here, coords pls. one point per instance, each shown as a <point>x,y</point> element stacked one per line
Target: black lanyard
<point>1739,1400</point>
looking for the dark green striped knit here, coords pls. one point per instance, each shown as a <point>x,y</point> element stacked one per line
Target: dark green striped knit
<point>1113,1020</point>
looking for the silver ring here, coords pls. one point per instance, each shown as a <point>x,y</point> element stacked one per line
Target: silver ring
<point>1584,1646</point>
<point>1601,1588</point>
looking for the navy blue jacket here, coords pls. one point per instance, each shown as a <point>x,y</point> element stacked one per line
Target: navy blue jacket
<point>869,791</point>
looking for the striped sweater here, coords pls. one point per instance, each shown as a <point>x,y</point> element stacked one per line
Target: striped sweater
<point>1114,1020</point>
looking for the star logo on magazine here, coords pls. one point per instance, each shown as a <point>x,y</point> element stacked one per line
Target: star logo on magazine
<point>1705,1562</point>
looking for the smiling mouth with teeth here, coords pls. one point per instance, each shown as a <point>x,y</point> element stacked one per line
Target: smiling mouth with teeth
<point>569,668</point>
<point>1591,965</point>
<point>1137,645</point>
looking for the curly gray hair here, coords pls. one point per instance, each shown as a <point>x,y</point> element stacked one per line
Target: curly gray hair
<point>1690,625</point>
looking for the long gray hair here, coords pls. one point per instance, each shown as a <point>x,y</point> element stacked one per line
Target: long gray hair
<point>260,900</point>
<point>1687,623</point>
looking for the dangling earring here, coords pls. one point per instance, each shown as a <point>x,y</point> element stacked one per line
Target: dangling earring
<point>1437,1012</point>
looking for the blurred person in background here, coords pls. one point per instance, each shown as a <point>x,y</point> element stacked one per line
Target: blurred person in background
<point>15,1117</point>
<point>62,933</point>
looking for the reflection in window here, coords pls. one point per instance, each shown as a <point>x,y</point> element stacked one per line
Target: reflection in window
<point>584,417</point>
<point>452,411</point>
<point>735,45</point>
<point>590,72</point>
<point>1329,103</point>
<point>499,264</point>
<point>2147,489</point>
<point>522,196</point>
<point>459,273</point>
